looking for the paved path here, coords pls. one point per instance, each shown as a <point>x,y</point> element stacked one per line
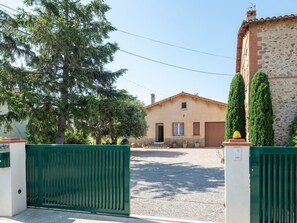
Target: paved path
<point>177,183</point>
<point>58,216</point>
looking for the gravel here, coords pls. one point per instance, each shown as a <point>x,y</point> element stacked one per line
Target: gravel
<point>178,183</point>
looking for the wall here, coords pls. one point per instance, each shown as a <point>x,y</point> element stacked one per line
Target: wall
<point>245,72</point>
<point>273,50</point>
<point>171,111</point>
<point>278,59</point>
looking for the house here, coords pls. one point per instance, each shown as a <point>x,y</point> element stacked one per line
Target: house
<point>270,45</point>
<point>185,118</point>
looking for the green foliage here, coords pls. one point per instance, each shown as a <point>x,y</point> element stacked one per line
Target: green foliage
<point>132,119</point>
<point>42,126</point>
<point>63,47</point>
<point>261,131</point>
<point>235,117</point>
<point>76,137</point>
<point>293,133</point>
<point>120,115</point>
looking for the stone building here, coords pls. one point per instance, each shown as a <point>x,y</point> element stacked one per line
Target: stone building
<point>270,45</point>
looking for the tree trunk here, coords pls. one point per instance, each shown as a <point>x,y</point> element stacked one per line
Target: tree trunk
<point>98,140</point>
<point>61,128</point>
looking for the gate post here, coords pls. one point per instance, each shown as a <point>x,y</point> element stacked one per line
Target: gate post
<point>237,181</point>
<point>12,177</point>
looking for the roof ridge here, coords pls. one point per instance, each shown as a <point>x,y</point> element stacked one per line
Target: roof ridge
<point>188,94</point>
<point>273,18</point>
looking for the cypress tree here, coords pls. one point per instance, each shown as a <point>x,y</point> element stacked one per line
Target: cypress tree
<point>261,131</point>
<point>235,117</point>
<point>293,133</point>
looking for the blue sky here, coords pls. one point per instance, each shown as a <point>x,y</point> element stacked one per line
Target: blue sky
<point>209,26</point>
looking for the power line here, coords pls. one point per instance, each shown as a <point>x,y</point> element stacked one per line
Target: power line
<point>175,66</point>
<point>157,41</point>
<point>176,46</point>
<point>145,87</point>
<point>9,7</point>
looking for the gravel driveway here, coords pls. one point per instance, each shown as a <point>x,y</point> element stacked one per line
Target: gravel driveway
<point>177,183</point>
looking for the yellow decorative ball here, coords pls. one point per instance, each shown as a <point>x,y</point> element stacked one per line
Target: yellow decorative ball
<point>236,135</point>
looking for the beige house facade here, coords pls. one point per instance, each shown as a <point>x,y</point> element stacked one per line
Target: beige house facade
<point>185,118</point>
<point>270,45</point>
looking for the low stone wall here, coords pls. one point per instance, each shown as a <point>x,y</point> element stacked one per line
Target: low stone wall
<point>168,142</point>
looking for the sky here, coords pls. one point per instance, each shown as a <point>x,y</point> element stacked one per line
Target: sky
<point>203,27</point>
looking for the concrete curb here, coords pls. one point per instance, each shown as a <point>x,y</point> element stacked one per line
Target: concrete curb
<point>162,219</point>
<point>44,215</point>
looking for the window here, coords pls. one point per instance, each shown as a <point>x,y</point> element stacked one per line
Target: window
<point>178,128</point>
<point>184,105</point>
<point>196,128</point>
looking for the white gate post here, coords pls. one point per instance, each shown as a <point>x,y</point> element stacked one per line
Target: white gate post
<point>13,177</point>
<point>237,181</point>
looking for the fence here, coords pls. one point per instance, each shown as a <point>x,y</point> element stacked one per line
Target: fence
<point>273,184</point>
<point>79,177</point>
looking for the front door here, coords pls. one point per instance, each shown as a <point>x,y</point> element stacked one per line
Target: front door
<point>159,132</point>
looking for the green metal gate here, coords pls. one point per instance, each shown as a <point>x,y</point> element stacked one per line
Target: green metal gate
<point>273,184</point>
<point>79,177</point>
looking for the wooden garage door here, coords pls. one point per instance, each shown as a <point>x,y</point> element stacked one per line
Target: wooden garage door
<point>214,133</point>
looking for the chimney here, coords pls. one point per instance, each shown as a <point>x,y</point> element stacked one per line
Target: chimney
<point>152,98</point>
<point>251,14</point>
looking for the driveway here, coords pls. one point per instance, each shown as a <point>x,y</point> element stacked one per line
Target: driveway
<point>177,183</point>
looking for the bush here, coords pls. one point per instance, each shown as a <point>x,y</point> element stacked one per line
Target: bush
<point>75,137</point>
<point>261,131</point>
<point>293,133</point>
<point>235,117</point>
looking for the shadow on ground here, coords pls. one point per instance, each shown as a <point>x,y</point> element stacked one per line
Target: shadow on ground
<point>165,180</point>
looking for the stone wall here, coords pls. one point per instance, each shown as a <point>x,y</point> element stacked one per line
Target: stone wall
<point>277,57</point>
<point>284,103</point>
<point>148,142</point>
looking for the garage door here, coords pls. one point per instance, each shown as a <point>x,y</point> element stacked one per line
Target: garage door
<point>214,133</point>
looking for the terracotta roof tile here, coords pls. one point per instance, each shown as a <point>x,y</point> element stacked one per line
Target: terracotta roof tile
<point>272,19</point>
<point>188,95</point>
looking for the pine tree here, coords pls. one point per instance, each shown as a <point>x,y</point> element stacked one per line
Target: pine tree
<point>235,117</point>
<point>63,46</point>
<point>261,131</point>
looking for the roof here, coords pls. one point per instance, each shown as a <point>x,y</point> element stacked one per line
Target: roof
<point>245,27</point>
<point>184,94</point>
<point>271,19</point>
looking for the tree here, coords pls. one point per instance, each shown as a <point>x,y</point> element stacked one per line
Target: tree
<point>261,131</point>
<point>119,115</point>
<point>293,133</point>
<point>131,122</point>
<point>235,117</point>
<point>62,44</point>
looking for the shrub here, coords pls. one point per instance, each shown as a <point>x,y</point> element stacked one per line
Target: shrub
<point>75,137</point>
<point>261,131</point>
<point>293,133</point>
<point>235,116</point>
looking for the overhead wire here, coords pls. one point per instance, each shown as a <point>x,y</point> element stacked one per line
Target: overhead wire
<point>175,66</point>
<point>176,46</point>
<point>145,87</point>
<point>9,7</point>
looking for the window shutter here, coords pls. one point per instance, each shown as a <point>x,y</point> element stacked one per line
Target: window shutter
<point>196,128</point>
